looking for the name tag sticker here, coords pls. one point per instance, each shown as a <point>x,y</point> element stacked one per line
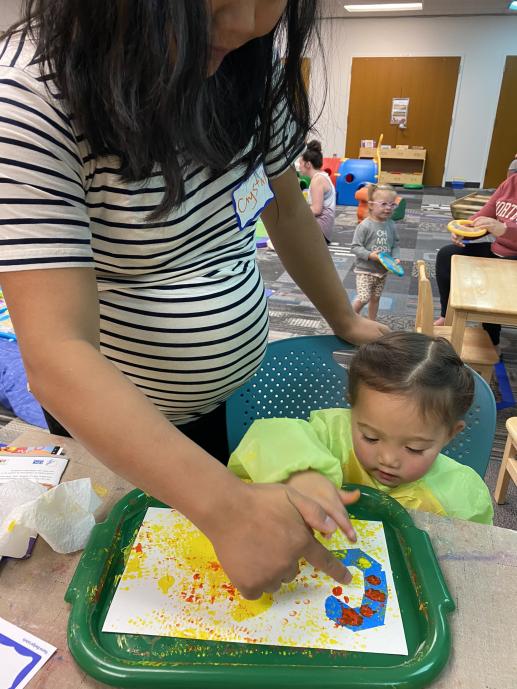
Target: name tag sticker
<point>251,197</point>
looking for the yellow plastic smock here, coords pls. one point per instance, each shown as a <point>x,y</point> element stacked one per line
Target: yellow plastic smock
<point>273,449</point>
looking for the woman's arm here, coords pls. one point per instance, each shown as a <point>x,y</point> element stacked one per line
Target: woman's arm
<point>259,532</point>
<point>317,189</point>
<point>487,216</point>
<point>302,249</point>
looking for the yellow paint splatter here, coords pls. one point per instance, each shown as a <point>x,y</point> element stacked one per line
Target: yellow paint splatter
<point>11,526</point>
<point>363,563</point>
<point>200,602</point>
<point>134,566</point>
<point>251,608</point>
<point>165,582</point>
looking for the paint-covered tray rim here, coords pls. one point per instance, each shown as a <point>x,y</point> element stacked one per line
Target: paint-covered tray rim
<point>124,660</point>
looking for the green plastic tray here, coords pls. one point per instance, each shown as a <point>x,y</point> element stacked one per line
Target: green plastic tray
<point>151,662</point>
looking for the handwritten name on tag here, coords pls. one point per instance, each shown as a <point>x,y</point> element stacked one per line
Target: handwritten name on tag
<point>251,197</point>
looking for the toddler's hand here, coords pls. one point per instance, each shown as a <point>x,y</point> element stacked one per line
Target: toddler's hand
<point>397,260</point>
<point>374,256</point>
<point>318,487</point>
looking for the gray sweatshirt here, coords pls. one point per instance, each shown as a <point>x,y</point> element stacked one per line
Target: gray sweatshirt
<point>369,236</point>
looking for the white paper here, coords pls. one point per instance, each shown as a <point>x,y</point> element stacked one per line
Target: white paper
<point>43,465</point>
<point>399,111</point>
<point>173,585</point>
<point>21,655</point>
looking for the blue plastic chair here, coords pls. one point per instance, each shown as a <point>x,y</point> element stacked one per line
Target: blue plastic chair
<point>300,374</point>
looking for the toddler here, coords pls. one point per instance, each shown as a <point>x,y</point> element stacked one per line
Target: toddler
<point>374,234</point>
<point>408,393</point>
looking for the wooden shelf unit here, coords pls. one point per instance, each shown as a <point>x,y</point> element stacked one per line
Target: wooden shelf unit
<point>399,165</point>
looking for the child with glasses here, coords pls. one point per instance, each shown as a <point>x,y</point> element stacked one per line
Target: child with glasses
<point>375,234</point>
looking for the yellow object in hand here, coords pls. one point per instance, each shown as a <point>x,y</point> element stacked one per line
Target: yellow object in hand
<point>461,228</point>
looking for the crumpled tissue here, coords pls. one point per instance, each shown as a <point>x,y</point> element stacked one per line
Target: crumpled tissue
<point>63,515</point>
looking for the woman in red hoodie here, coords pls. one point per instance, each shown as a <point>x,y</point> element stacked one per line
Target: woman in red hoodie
<point>499,217</point>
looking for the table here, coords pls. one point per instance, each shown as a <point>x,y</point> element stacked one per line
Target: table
<point>479,563</point>
<point>482,290</point>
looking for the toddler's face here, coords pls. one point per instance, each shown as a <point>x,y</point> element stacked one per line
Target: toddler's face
<point>391,439</point>
<point>383,204</point>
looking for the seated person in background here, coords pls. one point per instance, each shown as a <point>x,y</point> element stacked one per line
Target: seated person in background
<point>408,393</point>
<point>499,217</point>
<point>322,194</point>
<point>376,233</point>
<point>512,168</point>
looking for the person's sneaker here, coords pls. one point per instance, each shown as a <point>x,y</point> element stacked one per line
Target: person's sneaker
<point>440,321</point>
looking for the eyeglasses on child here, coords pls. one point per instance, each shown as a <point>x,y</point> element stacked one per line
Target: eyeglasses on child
<point>385,204</point>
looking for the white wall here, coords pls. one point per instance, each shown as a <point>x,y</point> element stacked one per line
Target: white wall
<point>9,11</point>
<point>481,42</point>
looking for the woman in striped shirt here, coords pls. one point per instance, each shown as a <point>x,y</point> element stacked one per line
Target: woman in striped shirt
<point>139,141</point>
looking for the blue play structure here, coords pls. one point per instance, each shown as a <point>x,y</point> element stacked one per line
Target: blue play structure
<point>354,173</point>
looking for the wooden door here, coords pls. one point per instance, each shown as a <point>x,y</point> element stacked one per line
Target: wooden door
<point>504,137</point>
<point>429,83</point>
<point>306,72</point>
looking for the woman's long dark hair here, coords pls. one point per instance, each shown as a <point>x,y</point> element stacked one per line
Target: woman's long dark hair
<point>134,75</point>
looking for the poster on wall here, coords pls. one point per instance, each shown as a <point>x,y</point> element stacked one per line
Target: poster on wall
<point>399,112</point>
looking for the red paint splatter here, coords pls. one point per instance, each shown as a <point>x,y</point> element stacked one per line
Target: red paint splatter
<point>214,565</point>
<point>350,617</point>
<point>372,594</point>
<point>197,575</point>
<point>314,576</point>
<point>337,590</point>
<point>138,548</point>
<point>366,611</point>
<point>373,580</point>
<point>230,590</point>
<point>346,599</point>
<point>190,599</point>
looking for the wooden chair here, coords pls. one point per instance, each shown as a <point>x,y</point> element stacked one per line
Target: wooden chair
<point>477,350</point>
<point>464,207</point>
<point>508,468</point>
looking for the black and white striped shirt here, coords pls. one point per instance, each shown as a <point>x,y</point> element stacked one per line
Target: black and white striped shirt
<point>182,306</point>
